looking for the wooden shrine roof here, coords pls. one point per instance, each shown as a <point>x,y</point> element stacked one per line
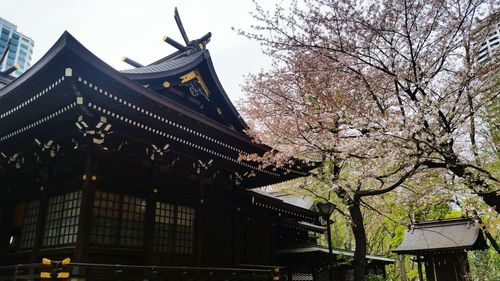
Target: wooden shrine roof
<point>281,206</point>
<point>195,59</point>
<point>319,250</point>
<point>442,235</point>
<point>70,85</point>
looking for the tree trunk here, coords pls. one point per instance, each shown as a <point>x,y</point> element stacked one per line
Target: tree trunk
<point>358,230</point>
<point>402,269</point>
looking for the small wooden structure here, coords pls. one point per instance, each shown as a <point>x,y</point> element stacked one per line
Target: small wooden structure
<point>442,245</point>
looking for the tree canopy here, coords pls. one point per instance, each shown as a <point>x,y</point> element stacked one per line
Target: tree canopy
<point>382,93</point>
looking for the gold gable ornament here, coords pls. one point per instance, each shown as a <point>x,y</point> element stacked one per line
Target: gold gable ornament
<point>196,83</point>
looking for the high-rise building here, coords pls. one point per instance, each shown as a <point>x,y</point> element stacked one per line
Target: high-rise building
<point>20,51</point>
<point>492,42</point>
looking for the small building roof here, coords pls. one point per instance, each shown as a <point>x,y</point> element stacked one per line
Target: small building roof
<point>304,217</point>
<point>442,235</point>
<point>301,201</point>
<point>322,250</point>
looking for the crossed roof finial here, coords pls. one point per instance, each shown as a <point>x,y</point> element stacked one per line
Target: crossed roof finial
<point>197,44</point>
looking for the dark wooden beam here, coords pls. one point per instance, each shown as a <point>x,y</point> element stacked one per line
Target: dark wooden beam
<point>151,199</point>
<point>88,190</point>
<point>200,222</point>
<point>44,188</point>
<point>236,236</point>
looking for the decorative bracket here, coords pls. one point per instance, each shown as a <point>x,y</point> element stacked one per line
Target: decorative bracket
<point>236,177</point>
<point>16,159</point>
<point>50,146</point>
<point>249,174</point>
<point>156,153</point>
<point>200,166</point>
<point>98,132</point>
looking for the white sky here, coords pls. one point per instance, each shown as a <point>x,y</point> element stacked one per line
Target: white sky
<point>115,28</point>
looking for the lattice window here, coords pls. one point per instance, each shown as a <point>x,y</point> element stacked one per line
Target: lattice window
<point>29,224</point>
<point>118,219</point>
<point>302,276</point>
<point>63,214</point>
<point>184,234</point>
<point>174,229</point>
<point>132,224</point>
<point>164,227</point>
<point>105,219</point>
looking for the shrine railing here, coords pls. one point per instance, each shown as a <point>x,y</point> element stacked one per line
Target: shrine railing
<point>98,272</point>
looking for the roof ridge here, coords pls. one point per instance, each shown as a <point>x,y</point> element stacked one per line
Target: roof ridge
<point>447,221</point>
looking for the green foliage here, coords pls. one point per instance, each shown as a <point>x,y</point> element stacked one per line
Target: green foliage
<point>399,233</point>
<point>319,109</point>
<point>485,265</point>
<point>432,212</point>
<point>454,214</point>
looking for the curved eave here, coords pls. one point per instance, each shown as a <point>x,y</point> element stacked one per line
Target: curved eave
<point>324,251</point>
<point>224,96</point>
<point>51,53</point>
<point>272,201</point>
<point>68,48</point>
<point>436,250</point>
<point>203,60</point>
<point>68,42</point>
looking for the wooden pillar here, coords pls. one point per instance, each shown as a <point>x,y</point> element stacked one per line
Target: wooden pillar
<point>433,259</point>
<point>419,266</point>
<point>274,239</point>
<point>43,187</point>
<point>236,235</point>
<point>42,216</point>
<point>200,222</point>
<point>6,224</point>
<point>88,190</point>
<point>9,206</point>
<point>150,216</point>
<point>454,261</point>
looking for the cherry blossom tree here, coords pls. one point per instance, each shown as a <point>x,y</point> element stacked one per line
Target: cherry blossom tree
<point>324,116</point>
<point>379,92</point>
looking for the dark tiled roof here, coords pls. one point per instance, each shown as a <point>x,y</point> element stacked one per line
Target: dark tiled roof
<point>442,235</point>
<point>300,201</point>
<point>322,250</point>
<point>168,65</point>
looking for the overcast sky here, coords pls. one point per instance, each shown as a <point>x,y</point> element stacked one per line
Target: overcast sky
<point>115,28</point>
